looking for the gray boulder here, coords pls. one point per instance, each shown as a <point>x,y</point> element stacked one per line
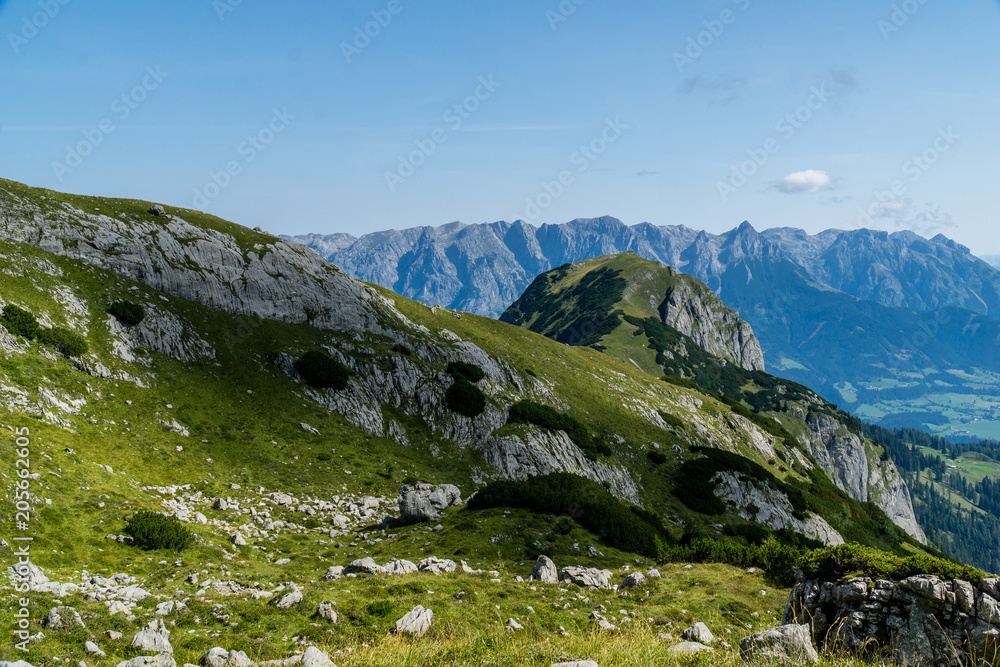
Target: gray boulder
<point>789,644</point>
<point>157,210</point>
<point>437,566</point>
<point>94,649</point>
<point>289,600</point>
<point>162,660</point>
<point>688,648</point>
<point>586,576</point>
<point>154,637</point>
<point>700,633</point>
<point>327,612</point>
<point>634,580</point>
<point>220,657</point>
<point>364,566</point>
<point>419,503</point>
<point>576,663</point>
<point>19,663</point>
<point>63,618</point>
<point>544,571</point>
<point>416,623</point>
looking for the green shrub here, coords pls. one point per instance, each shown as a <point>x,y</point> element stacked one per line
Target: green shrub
<point>152,531</point>
<point>778,561</point>
<point>128,312</point>
<point>69,343</point>
<point>465,398</point>
<point>399,348</point>
<point>461,369</point>
<point>656,457</point>
<point>844,560</point>
<point>20,322</point>
<point>322,371</point>
<point>615,523</point>
<point>529,412</point>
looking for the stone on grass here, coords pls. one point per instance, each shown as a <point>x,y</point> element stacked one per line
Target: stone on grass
<point>634,580</point>
<point>333,573</point>
<point>154,637</point>
<point>513,625</point>
<point>544,571</point>
<point>157,210</point>
<point>364,566</point>
<point>289,600</point>
<point>327,612</point>
<point>162,660</point>
<point>419,503</point>
<point>220,657</point>
<point>587,577</point>
<point>688,648</point>
<point>416,623</point>
<point>238,540</point>
<point>91,647</point>
<point>606,625</point>
<point>699,633</point>
<point>437,566</point>
<point>63,618</point>
<point>576,663</point>
<point>396,568</point>
<point>790,644</point>
<point>19,663</point>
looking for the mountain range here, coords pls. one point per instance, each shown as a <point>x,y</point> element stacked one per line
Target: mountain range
<point>881,323</point>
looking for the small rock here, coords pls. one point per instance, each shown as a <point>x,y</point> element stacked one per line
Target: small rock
<point>699,633</point>
<point>327,612</point>
<point>289,600</point>
<point>154,637</point>
<point>576,663</point>
<point>91,647</point>
<point>634,580</point>
<point>513,625</point>
<point>688,648</point>
<point>157,210</point>
<point>416,623</point>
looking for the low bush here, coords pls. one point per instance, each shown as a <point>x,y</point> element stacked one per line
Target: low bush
<point>465,398</point>
<point>615,523</point>
<point>69,343</point>
<point>128,312</point>
<point>20,322</point>
<point>778,561</point>
<point>846,560</point>
<point>152,531</point>
<point>461,369</point>
<point>529,412</point>
<point>322,371</point>
<point>399,348</point>
<point>656,457</point>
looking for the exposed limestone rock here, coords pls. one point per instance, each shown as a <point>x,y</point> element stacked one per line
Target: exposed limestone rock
<point>789,644</point>
<point>917,621</point>
<point>586,577</point>
<point>154,637</point>
<point>544,571</point>
<point>700,314</point>
<point>422,502</point>
<point>700,633</point>
<point>416,622</point>
<point>772,508</point>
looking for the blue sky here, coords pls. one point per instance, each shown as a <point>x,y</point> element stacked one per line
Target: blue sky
<point>286,115</point>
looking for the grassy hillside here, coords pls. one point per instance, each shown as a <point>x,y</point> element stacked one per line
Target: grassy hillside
<point>193,405</point>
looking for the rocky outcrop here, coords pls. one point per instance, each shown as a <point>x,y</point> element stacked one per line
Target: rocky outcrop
<point>854,467</point>
<point>696,311</point>
<point>544,571</point>
<point>759,502</point>
<point>541,452</point>
<point>240,272</point>
<point>416,623</point>
<point>922,620</point>
<point>419,503</point>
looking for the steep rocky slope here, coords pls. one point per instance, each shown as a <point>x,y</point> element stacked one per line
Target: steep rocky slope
<point>653,317</point>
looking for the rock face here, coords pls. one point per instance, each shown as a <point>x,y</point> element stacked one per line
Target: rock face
<point>789,644</point>
<point>771,508</point>
<point>422,502</point>
<point>922,620</point>
<point>697,312</point>
<point>860,472</point>
<point>248,275</point>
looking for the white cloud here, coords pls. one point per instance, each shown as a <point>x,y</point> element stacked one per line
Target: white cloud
<point>805,181</point>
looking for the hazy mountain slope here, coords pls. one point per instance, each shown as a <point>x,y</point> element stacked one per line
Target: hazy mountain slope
<point>198,395</point>
<point>916,363</point>
<point>993,260</point>
<point>626,307</point>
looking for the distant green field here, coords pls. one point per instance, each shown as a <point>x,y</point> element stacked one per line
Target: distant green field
<point>973,466</point>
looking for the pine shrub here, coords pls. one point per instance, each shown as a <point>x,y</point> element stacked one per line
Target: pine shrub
<point>465,398</point>
<point>153,531</point>
<point>69,343</point>
<point>20,322</point>
<point>128,312</point>
<point>322,371</point>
